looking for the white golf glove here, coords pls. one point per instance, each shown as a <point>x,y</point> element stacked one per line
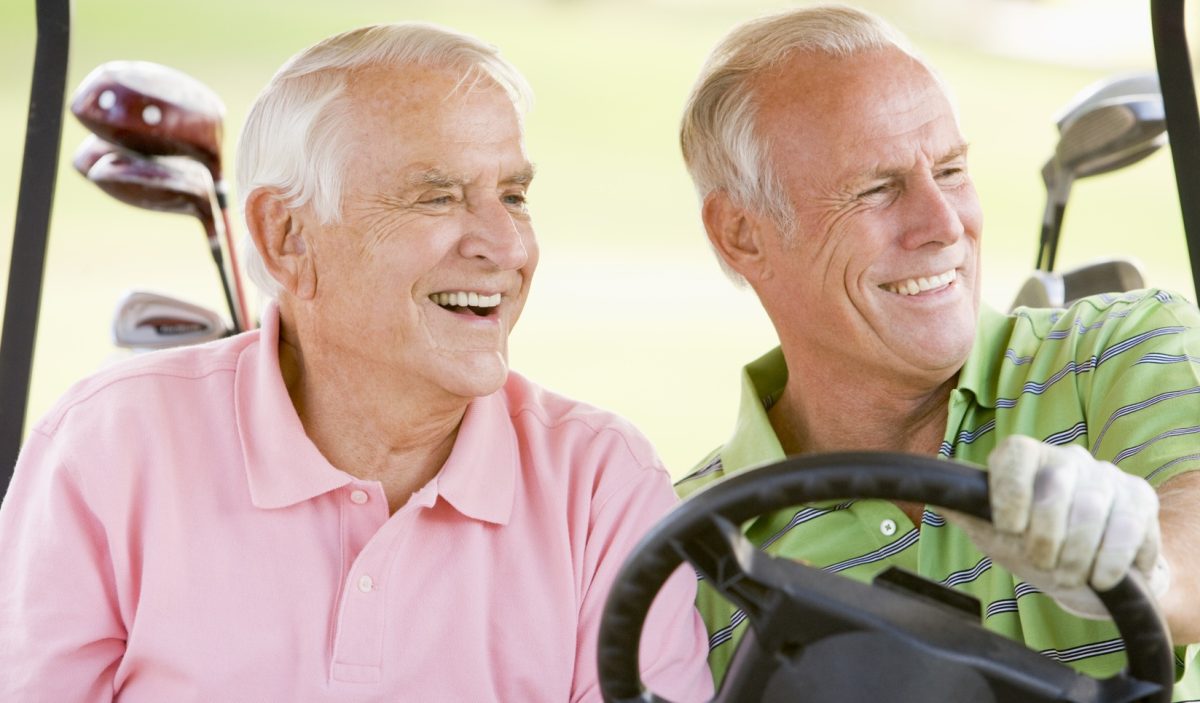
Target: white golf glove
<point>1062,520</point>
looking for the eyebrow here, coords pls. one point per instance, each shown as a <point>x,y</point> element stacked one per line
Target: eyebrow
<point>438,178</point>
<point>955,152</point>
<point>522,177</point>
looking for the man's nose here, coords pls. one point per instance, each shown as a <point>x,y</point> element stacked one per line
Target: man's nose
<point>495,235</point>
<point>931,216</point>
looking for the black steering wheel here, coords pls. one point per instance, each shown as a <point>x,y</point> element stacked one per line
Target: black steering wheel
<point>816,636</point>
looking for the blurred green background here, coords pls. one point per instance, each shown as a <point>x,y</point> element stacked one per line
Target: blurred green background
<point>629,310</point>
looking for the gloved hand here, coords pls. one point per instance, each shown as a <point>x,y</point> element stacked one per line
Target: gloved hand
<point>1062,520</point>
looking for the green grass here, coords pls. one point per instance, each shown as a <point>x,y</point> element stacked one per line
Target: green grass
<point>629,311</point>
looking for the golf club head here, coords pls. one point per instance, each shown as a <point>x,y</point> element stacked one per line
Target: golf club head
<point>90,151</point>
<point>166,184</point>
<point>1139,83</point>
<point>1110,125</point>
<point>1112,134</point>
<point>1102,276</point>
<point>152,109</point>
<point>144,321</point>
<point>1043,289</point>
<point>1046,289</point>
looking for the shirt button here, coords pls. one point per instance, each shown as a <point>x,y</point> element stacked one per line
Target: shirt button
<point>358,497</point>
<point>888,527</point>
<point>365,583</point>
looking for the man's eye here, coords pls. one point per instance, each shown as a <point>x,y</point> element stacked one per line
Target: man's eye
<point>436,200</point>
<point>951,173</point>
<point>873,192</point>
<point>517,200</point>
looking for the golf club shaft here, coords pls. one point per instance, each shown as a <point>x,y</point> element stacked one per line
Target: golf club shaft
<point>234,271</point>
<point>214,245</point>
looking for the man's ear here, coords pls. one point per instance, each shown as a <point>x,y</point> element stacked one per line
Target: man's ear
<point>278,234</point>
<point>736,234</point>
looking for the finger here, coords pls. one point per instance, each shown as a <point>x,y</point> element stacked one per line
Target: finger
<point>1134,511</point>
<point>1050,512</point>
<point>1090,508</point>
<point>1012,466</point>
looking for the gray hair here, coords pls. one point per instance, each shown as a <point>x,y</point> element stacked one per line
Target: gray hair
<point>292,140</point>
<point>721,146</point>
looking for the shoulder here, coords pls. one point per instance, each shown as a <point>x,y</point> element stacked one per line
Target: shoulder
<point>544,416</point>
<point>145,385</point>
<point>1141,310</point>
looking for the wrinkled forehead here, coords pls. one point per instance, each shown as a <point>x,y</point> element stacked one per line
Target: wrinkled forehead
<point>819,86</point>
<point>816,103</point>
<point>420,88</point>
<point>424,118</point>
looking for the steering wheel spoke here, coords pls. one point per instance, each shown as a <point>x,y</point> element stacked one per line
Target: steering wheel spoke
<point>728,561</point>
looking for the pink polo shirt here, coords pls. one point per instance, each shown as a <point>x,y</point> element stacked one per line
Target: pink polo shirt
<point>171,534</point>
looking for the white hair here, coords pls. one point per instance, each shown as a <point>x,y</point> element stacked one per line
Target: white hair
<point>721,145</point>
<point>293,139</point>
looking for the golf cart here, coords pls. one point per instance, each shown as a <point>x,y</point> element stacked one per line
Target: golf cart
<point>704,532</point>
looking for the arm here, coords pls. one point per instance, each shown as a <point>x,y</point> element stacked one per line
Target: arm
<point>1139,391</point>
<point>61,636</point>
<point>1180,522</point>
<point>674,647</point>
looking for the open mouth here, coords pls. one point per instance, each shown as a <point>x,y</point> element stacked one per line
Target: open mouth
<point>922,284</point>
<point>463,302</point>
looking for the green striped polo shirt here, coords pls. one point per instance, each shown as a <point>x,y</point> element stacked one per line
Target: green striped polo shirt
<point>1119,375</point>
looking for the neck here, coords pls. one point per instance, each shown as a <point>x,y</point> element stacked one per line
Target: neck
<point>362,424</point>
<point>825,412</point>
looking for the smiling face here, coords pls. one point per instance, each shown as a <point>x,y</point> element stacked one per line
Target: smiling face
<point>881,275</point>
<point>428,269</point>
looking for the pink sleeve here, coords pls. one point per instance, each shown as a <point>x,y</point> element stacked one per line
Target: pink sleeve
<point>674,648</point>
<point>61,637</point>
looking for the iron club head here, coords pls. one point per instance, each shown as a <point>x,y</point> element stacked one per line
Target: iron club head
<point>1101,131</point>
<point>144,320</point>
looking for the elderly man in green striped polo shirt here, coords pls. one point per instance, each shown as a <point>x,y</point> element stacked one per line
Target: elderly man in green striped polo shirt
<point>834,182</point>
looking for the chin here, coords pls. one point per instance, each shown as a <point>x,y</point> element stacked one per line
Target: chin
<point>477,378</point>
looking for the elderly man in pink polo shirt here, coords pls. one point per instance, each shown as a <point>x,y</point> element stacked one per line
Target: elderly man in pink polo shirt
<point>357,501</point>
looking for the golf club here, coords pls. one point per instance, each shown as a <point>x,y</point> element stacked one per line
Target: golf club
<point>165,184</point>
<point>1100,132</point>
<point>1138,83</point>
<point>1049,289</point>
<point>90,151</point>
<point>144,321</point>
<point>159,111</point>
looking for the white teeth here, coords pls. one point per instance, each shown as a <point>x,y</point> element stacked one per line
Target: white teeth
<point>912,286</point>
<point>466,298</point>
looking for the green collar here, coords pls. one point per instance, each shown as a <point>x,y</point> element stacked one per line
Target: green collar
<point>980,375</point>
<point>754,442</point>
